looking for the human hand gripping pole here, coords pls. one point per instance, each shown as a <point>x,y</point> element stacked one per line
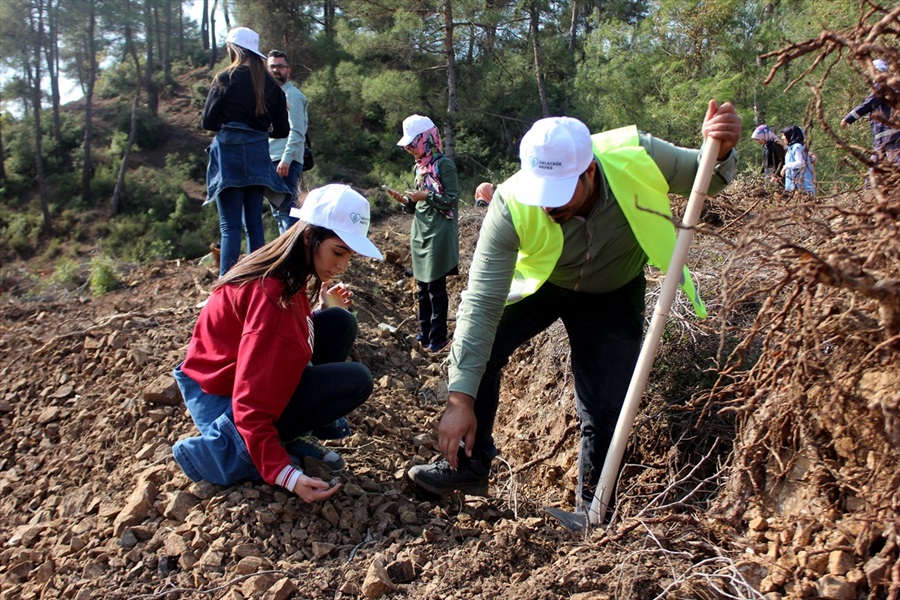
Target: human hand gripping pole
<point>605,485</point>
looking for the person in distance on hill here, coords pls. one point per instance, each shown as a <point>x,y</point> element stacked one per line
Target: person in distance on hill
<point>262,369</point>
<point>564,239</point>
<point>245,106</point>
<point>434,233</point>
<point>798,170</point>
<point>886,139</point>
<point>483,194</point>
<point>287,154</point>
<point>772,152</point>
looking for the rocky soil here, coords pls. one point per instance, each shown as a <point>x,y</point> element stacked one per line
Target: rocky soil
<point>762,464</point>
<point>94,506</point>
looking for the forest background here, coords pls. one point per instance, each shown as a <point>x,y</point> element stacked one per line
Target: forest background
<point>484,70</point>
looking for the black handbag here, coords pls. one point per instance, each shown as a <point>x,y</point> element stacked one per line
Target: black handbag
<point>309,160</point>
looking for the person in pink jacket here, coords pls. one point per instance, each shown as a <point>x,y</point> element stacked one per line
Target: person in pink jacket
<point>262,368</point>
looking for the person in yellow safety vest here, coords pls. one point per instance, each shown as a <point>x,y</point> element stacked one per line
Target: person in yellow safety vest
<point>568,239</point>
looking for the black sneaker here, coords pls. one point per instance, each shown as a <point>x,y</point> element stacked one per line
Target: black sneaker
<point>336,430</point>
<point>439,478</point>
<point>309,446</point>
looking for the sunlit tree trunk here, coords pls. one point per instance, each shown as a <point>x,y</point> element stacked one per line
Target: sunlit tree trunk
<point>51,54</point>
<point>150,63</point>
<point>535,18</point>
<point>132,134</point>
<point>226,15</point>
<point>204,25</point>
<point>452,93</point>
<point>214,53</point>
<point>33,77</point>
<point>328,18</point>
<point>87,165</point>
<point>180,29</point>
<point>167,47</point>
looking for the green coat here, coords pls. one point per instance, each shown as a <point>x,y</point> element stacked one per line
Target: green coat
<point>433,237</point>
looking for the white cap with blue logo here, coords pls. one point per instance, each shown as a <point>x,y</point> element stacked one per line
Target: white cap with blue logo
<point>343,210</point>
<point>553,154</point>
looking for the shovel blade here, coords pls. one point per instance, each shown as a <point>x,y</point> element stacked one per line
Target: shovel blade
<point>576,523</point>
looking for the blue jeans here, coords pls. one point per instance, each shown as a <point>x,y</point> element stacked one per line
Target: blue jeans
<point>605,332</point>
<point>329,389</point>
<point>282,214</point>
<point>238,205</point>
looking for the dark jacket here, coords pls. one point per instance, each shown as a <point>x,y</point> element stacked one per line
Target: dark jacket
<point>879,113</point>
<point>232,100</point>
<point>773,158</point>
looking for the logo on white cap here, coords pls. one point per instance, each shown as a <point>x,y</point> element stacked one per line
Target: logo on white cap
<point>553,154</point>
<point>344,211</point>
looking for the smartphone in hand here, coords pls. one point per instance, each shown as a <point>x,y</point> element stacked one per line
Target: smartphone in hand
<point>402,198</point>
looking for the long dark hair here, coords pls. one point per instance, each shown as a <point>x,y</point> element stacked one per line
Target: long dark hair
<point>288,257</point>
<point>258,73</point>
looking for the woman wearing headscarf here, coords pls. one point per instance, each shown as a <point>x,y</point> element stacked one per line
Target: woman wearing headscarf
<point>434,234</point>
<point>772,152</point>
<point>798,170</point>
<point>245,106</point>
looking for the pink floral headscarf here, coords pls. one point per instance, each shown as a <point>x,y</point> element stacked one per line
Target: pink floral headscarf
<point>429,146</point>
<point>764,133</point>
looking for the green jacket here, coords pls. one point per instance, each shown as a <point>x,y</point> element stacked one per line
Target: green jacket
<point>434,238</point>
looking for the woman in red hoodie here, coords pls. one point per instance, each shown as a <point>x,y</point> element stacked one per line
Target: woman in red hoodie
<point>263,369</point>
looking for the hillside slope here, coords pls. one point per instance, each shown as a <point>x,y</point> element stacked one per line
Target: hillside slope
<point>769,470</point>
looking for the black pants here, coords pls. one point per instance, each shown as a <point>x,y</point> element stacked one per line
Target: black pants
<point>605,332</point>
<point>433,305</point>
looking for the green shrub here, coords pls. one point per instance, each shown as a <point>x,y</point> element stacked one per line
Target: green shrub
<point>191,245</point>
<point>199,92</point>
<point>21,232</point>
<point>68,274</point>
<point>104,275</point>
<point>149,128</point>
<point>104,183</point>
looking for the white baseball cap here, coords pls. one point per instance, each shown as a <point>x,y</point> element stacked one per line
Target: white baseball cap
<point>880,65</point>
<point>245,38</point>
<point>413,125</point>
<point>343,210</point>
<point>553,154</point>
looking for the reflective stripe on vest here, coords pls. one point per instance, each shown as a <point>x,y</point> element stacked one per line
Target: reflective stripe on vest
<point>641,191</point>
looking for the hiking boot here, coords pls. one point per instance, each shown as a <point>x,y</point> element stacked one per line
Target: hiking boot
<point>309,446</point>
<point>439,478</point>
